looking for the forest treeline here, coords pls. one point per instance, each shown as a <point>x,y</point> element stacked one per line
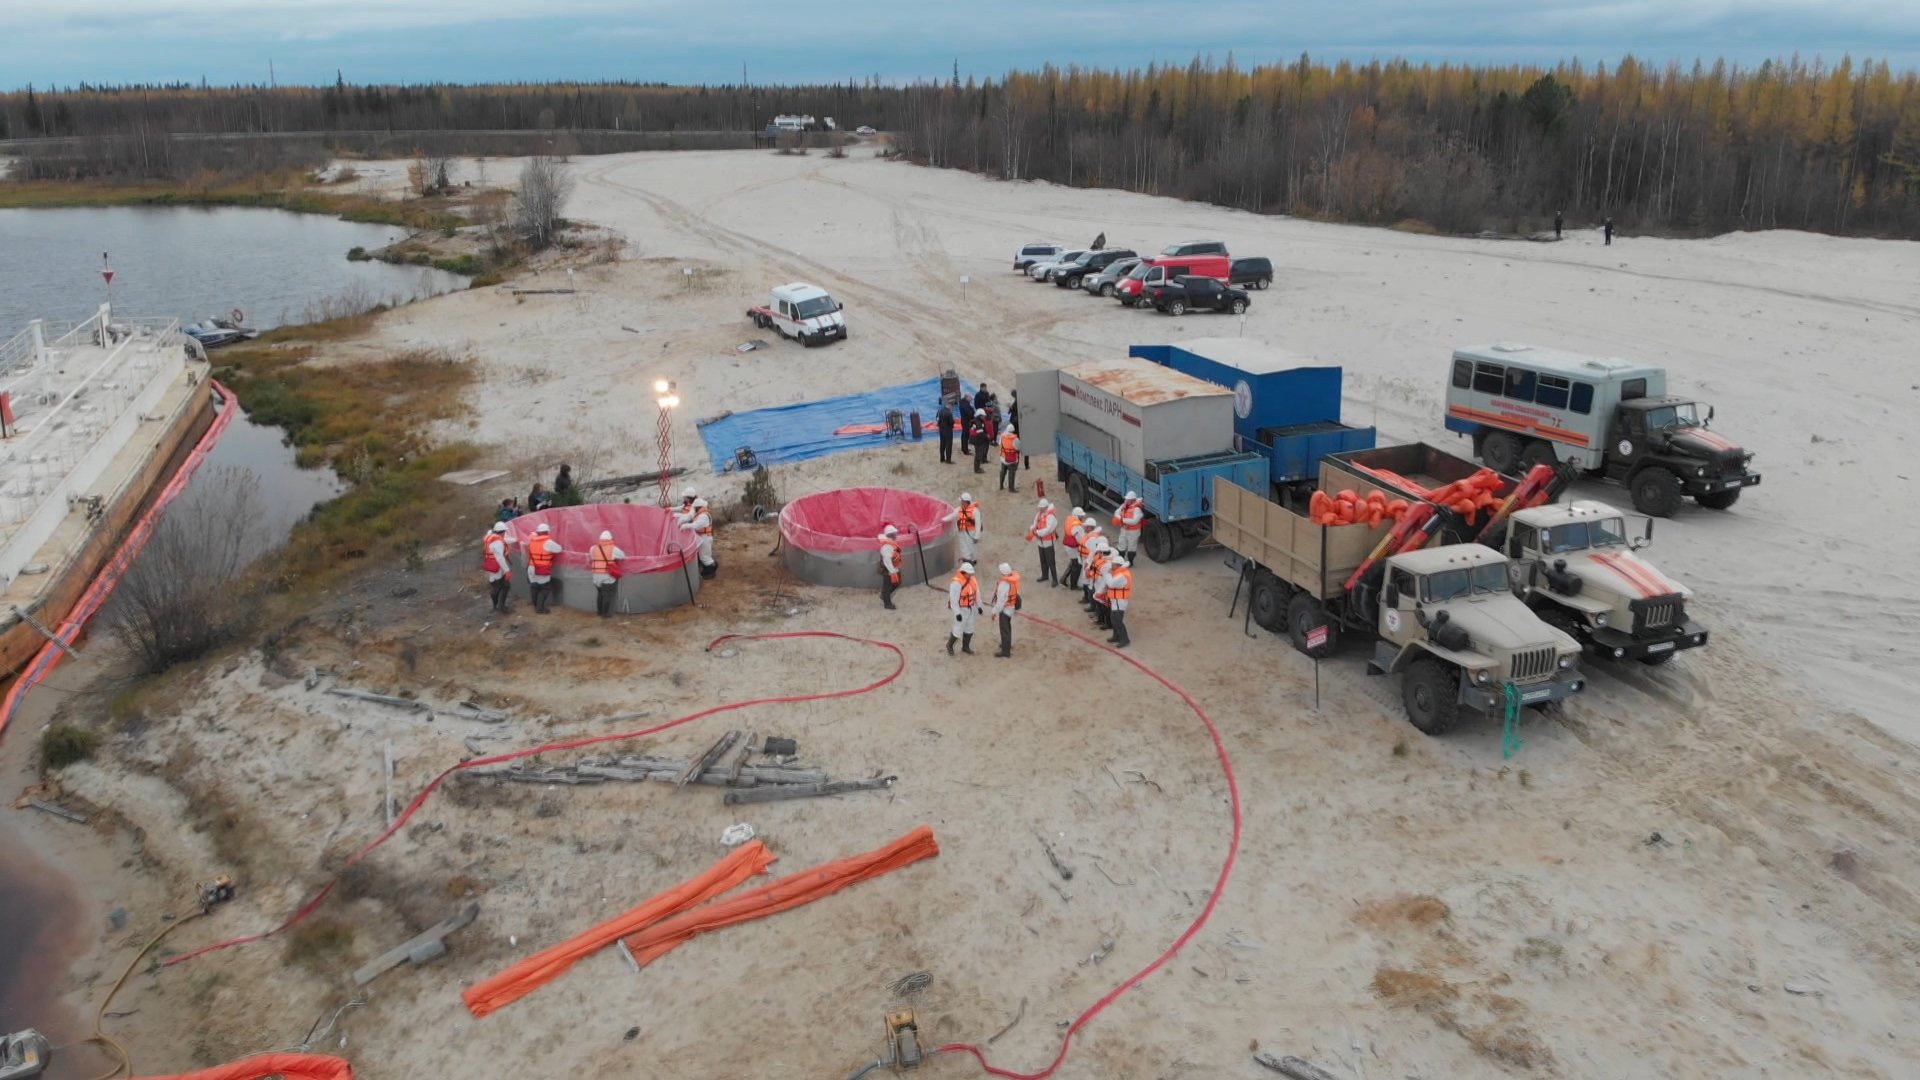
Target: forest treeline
<point>1698,149</point>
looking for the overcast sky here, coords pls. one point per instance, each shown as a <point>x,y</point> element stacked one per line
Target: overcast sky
<point>60,42</point>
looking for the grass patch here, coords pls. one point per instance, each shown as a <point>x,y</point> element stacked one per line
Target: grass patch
<point>64,745</point>
<point>320,945</point>
<point>366,420</point>
<point>279,191</point>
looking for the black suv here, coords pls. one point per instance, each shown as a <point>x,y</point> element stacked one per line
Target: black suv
<point>1068,277</point>
<point>1198,294</point>
<point>1256,272</point>
<point>1194,247</point>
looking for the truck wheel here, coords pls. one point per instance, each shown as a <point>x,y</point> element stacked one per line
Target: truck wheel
<point>1656,492</point>
<point>1185,542</point>
<point>1158,540</point>
<point>1239,307</point>
<point>1656,659</point>
<point>1501,452</point>
<point>1077,490</point>
<point>1429,690</point>
<point>1268,601</point>
<point>1177,307</point>
<point>1304,614</point>
<point>1719,500</point>
<point>1538,452</point>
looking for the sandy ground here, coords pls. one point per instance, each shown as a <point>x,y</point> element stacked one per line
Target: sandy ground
<point>1401,906</point>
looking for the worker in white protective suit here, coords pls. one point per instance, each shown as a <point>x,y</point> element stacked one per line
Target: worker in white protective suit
<point>1130,519</point>
<point>963,601</point>
<point>966,524</point>
<point>889,565</point>
<point>700,521</point>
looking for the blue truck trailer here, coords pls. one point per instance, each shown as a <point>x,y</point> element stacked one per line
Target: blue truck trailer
<point>1125,424</point>
<point>1287,413</point>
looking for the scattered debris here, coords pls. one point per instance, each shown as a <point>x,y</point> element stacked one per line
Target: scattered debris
<point>378,699</point>
<point>1135,776</point>
<point>775,746</point>
<point>634,1031</point>
<point>387,802</point>
<point>472,477</point>
<point>808,791</point>
<point>592,771</point>
<point>1802,990</point>
<point>913,982</point>
<point>749,346</point>
<point>1293,1066</point>
<point>735,835</point>
<point>419,949</point>
<point>1099,954</point>
<point>117,919</point>
<point>707,760</point>
<point>60,812</point>
<point>1127,884</point>
<point>1656,840</point>
<point>1066,872</point>
<point>631,480</point>
<point>1017,1017</point>
<point>476,711</point>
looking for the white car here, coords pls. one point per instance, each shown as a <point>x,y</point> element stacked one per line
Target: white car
<point>1037,252</point>
<point>803,312</point>
<point>865,129</point>
<point>1043,271</point>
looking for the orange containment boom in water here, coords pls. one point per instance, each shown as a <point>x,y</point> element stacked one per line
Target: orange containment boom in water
<point>290,1066</point>
<point>789,892</point>
<point>549,964</point>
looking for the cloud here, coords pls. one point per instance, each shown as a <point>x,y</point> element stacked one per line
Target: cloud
<point>672,40</point>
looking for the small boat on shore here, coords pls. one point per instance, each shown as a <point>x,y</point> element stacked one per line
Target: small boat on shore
<point>221,330</point>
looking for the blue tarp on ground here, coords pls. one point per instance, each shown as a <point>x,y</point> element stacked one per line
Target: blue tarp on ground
<point>804,431</point>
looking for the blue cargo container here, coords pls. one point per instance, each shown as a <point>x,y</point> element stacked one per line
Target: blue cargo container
<point>1289,415</point>
<point>1177,493</point>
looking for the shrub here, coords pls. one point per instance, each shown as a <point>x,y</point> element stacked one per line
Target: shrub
<point>357,253</point>
<point>180,598</point>
<point>64,745</point>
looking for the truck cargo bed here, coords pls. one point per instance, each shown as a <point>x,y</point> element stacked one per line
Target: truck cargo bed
<point>1316,558</point>
<point>1422,463</point>
<point>1294,450</point>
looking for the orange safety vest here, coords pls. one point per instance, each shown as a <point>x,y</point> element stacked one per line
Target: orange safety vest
<point>539,559</point>
<point>1086,547</point>
<point>1095,567</point>
<point>706,530</point>
<point>1073,526</point>
<point>1039,523</point>
<point>487,562</point>
<point>1009,448</point>
<point>1122,587</point>
<point>967,521</point>
<point>969,591</point>
<point>1120,517</point>
<point>1013,590</point>
<point>602,556</point>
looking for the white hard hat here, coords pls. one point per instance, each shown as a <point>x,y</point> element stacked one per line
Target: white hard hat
<point>688,493</point>
<point>1094,528</point>
<point>1120,560</point>
<point>544,528</point>
<point>1077,512</point>
<point>966,568</point>
<point>1045,505</point>
<point>889,531</point>
<point>1005,569</point>
<point>605,534</point>
<point>499,526</point>
<point>966,496</point>
<point>1131,495</point>
<point>699,504</point>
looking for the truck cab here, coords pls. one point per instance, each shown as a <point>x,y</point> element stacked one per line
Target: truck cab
<point>1451,627</point>
<point>1577,566</point>
<point>1610,418</point>
<point>803,312</point>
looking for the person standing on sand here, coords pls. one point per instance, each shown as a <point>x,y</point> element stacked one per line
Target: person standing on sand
<point>1073,532</point>
<point>981,396</point>
<point>493,559</point>
<point>966,424</point>
<point>1009,460</point>
<point>541,553</point>
<point>563,490</point>
<point>966,523</point>
<point>1119,597</point>
<point>1609,231</point>
<point>963,599</point>
<point>1041,536</point>
<point>1559,222</point>
<point>889,565</point>
<point>603,558</point>
<point>980,442</point>
<point>944,418</point>
<point>1006,601</point>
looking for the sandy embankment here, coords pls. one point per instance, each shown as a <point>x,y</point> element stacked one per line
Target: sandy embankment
<point>1429,910</point>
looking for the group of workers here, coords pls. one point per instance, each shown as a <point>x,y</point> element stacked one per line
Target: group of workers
<point>1101,569</point>
<point>982,431</point>
<point>603,559</point>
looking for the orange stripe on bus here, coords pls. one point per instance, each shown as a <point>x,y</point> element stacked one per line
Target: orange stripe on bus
<point>1557,434</point>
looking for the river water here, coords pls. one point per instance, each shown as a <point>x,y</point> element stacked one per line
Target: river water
<point>194,262</point>
<point>189,263</point>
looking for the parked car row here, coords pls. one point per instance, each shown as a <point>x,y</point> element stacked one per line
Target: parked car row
<point>1194,275</point>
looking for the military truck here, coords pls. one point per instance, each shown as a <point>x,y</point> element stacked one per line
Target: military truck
<point>1575,565</point>
<point>1612,419</point>
<point>1443,618</point>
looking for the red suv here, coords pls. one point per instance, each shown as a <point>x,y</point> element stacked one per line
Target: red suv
<point>1161,270</point>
